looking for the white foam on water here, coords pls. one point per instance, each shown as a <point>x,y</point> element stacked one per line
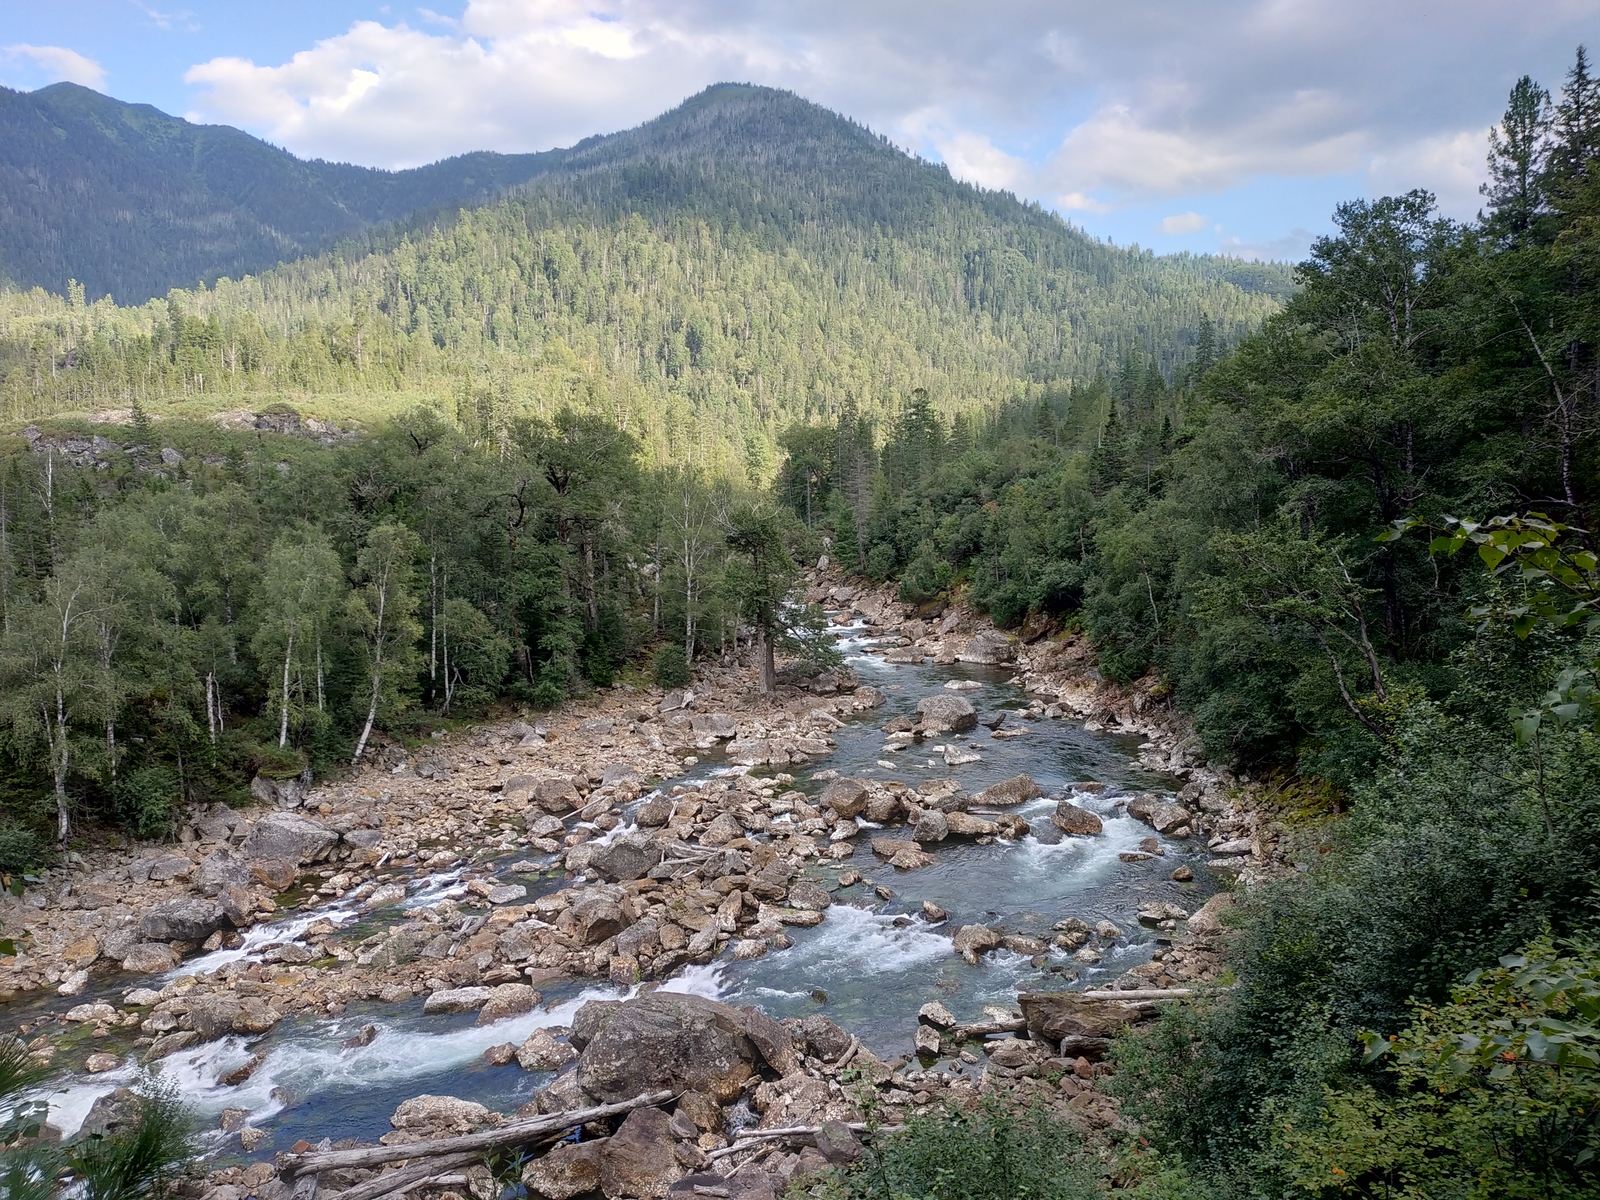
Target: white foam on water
<point>859,942</point>
<point>429,890</point>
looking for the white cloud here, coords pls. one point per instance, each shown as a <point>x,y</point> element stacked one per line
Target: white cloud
<point>1096,106</point>
<point>1293,246</point>
<point>1189,222</point>
<point>58,64</point>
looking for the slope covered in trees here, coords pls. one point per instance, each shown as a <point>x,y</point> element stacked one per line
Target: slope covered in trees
<point>742,262</point>
<point>132,202</point>
<point>1415,1011</point>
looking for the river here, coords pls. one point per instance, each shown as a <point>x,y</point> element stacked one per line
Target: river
<point>869,966</point>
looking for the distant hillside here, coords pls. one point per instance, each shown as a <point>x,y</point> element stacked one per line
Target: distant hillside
<point>131,202</point>
<point>742,262</point>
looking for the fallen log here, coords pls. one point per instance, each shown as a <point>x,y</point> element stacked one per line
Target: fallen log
<point>967,1033</point>
<point>506,1135</point>
<point>1139,994</point>
<point>395,1182</point>
<point>747,1138</point>
<point>306,1187</point>
<point>454,1180</point>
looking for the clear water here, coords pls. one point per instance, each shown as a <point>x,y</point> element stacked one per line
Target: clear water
<point>869,966</point>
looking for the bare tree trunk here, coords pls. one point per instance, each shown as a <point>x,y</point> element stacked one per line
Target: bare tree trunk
<point>283,706</point>
<point>211,718</point>
<point>377,678</point>
<point>764,656</point>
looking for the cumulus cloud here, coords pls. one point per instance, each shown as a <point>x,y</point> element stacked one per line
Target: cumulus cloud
<point>1083,105</point>
<point>59,64</point>
<point>1189,222</point>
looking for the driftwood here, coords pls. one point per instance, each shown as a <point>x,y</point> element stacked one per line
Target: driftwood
<point>306,1187</point>
<point>1140,994</point>
<point>396,1182</point>
<point>453,1180</point>
<point>967,1033</point>
<point>745,1139</point>
<point>295,1165</point>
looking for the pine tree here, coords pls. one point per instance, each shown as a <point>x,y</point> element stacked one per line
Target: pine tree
<point>1519,153</point>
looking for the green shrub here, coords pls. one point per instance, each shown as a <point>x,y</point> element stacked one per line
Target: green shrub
<point>880,561</point>
<point>21,850</point>
<point>278,762</point>
<point>141,1162</point>
<point>990,1153</point>
<point>670,669</point>
<point>148,799</point>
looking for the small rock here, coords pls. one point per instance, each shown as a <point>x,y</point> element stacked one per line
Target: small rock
<point>457,1000</point>
<point>542,1052</point>
<point>499,1056</point>
<point>98,1064</point>
<point>932,913</point>
<point>973,940</point>
<point>1079,822</point>
<point>1183,875</point>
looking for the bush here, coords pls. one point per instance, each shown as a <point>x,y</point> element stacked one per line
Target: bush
<point>990,1153</point>
<point>148,799</point>
<point>671,668</point>
<point>881,561</point>
<point>21,850</point>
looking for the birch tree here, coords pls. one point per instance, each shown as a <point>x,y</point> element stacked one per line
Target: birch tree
<point>300,585</point>
<point>383,608</point>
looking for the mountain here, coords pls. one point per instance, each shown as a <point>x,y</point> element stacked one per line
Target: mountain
<point>740,263</point>
<point>131,202</point>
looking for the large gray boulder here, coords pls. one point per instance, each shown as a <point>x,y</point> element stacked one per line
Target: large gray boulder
<point>289,837</point>
<point>989,647</point>
<point>224,869</point>
<point>663,1040</point>
<point>628,857</point>
<point>944,712</point>
<point>190,919</point>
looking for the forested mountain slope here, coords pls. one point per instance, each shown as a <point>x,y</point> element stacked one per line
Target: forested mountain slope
<point>744,261</point>
<point>132,202</point>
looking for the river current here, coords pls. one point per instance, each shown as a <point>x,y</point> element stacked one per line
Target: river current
<point>869,966</point>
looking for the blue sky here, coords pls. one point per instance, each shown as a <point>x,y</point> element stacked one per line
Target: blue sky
<point>1203,125</point>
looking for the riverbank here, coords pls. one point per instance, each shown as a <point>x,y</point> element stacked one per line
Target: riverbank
<point>493,876</point>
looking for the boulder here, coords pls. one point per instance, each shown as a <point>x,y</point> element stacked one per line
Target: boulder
<point>966,825</point>
<point>445,1114</point>
<point>628,857</point>
<point>721,831</point>
<point>931,826</point>
<point>619,773</point>
<point>571,1169</point>
<point>1167,817</point>
<point>457,1000</point>
<point>823,1038</point>
<point>149,958</point>
<point>663,1040</point>
<point>223,869</point>
<point>771,1039</point>
<point>944,712</point>
<point>1208,919</point>
<point>599,917</point>
<point>935,1014</point>
<point>289,837</point>
<point>846,797</point>
<point>542,1052</point>
<point>1009,791</point>
<point>1079,822</point>
<point>170,866</point>
<point>989,647</point>
<point>1079,1026</point>
<point>926,1041</point>
<point>869,697</point>
<point>654,812</point>
<point>190,919</point>
<point>222,1013</point>
<point>279,874</point>
<point>810,896</point>
<point>638,1160</point>
<point>837,1144</point>
<point>713,725</point>
<point>973,940</point>
<point>509,1000</point>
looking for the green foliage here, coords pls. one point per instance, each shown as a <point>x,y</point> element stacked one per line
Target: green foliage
<point>988,1153</point>
<point>21,849</point>
<point>148,799</point>
<point>670,669</point>
<point>142,1161</point>
<point>1493,1094</point>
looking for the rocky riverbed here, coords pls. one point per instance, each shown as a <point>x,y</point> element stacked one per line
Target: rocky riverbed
<point>965,805</point>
